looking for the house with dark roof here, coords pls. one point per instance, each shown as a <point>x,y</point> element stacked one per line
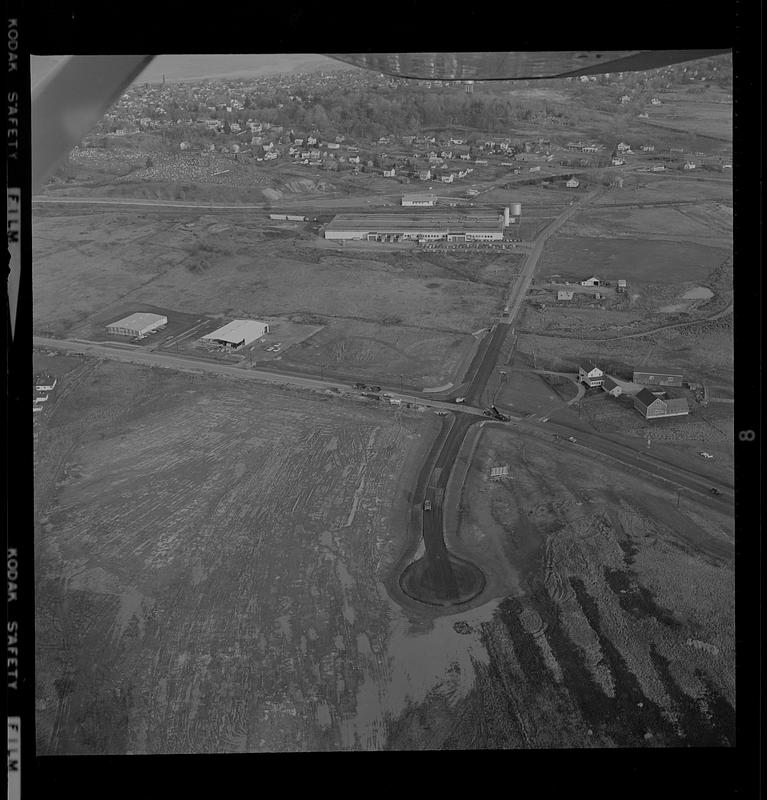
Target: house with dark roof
<point>590,374</point>
<point>650,406</point>
<point>611,387</point>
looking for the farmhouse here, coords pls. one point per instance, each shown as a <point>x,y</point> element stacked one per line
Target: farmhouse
<point>652,407</point>
<point>238,333</point>
<point>611,387</point>
<point>573,183</point>
<point>592,281</point>
<point>414,227</point>
<point>655,378</point>
<point>419,199</point>
<point>591,375</point>
<point>139,324</point>
<point>621,285</point>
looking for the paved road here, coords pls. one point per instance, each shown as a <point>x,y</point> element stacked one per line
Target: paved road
<point>188,363</point>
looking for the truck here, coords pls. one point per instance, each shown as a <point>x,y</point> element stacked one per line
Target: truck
<point>460,399</point>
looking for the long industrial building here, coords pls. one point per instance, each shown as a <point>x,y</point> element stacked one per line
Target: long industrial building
<point>415,227</point>
<point>139,324</point>
<point>238,333</point>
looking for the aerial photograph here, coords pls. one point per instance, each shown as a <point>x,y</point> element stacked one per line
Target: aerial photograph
<point>385,402</point>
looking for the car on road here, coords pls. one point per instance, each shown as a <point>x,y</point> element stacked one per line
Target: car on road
<point>705,455</point>
<point>713,490</point>
<point>572,439</point>
<point>460,399</point>
<point>427,505</point>
<point>441,413</point>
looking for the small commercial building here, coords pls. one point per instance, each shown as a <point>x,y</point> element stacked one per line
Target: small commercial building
<point>657,378</point>
<point>591,375</point>
<point>238,333</point>
<point>651,406</point>
<point>139,324</point>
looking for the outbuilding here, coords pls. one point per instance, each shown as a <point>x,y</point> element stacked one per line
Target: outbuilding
<point>139,324</point>
<point>611,387</point>
<point>419,199</point>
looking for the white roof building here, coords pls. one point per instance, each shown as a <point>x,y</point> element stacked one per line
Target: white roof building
<point>238,333</point>
<point>138,324</point>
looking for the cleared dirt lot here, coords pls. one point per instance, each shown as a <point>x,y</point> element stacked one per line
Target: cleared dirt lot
<point>208,563</point>
<point>615,625</point>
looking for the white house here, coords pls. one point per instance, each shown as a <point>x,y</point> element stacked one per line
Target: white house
<point>611,387</point>
<point>592,281</point>
<point>655,101</point>
<point>618,162</point>
<point>591,375</point>
<point>623,147</point>
<point>389,173</point>
<point>689,165</point>
<point>573,183</point>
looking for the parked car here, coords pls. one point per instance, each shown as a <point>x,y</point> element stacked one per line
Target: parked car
<point>572,439</point>
<point>427,505</point>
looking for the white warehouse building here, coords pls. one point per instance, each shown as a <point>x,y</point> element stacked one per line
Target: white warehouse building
<point>419,199</point>
<point>416,227</point>
<point>238,333</point>
<point>139,324</point>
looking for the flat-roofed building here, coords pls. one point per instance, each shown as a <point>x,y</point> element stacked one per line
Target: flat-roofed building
<point>238,333</point>
<point>139,324</point>
<point>657,378</point>
<point>419,199</point>
<point>416,227</point>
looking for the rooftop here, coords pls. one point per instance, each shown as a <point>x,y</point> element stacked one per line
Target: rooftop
<point>237,330</point>
<point>138,320</point>
<point>415,222</point>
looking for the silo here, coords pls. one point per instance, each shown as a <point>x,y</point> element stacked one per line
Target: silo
<point>506,217</point>
<point>516,209</point>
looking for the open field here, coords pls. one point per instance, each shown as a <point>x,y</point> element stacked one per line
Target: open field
<point>636,259</point>
<point>208,567</point>
<point>383,354</point>
<point>672,189</point>
<point>88,265</point>
<point>694,116</point>
<point>616,623</point>
<point>705,222</point>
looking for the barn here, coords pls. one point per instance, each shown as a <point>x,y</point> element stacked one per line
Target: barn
<point>139,324</point>
<point>238,333</point>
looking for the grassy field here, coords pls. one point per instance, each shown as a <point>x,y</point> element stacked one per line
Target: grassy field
<point>209,562</point>
<point>616,623</point>
<point>644,260</point>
